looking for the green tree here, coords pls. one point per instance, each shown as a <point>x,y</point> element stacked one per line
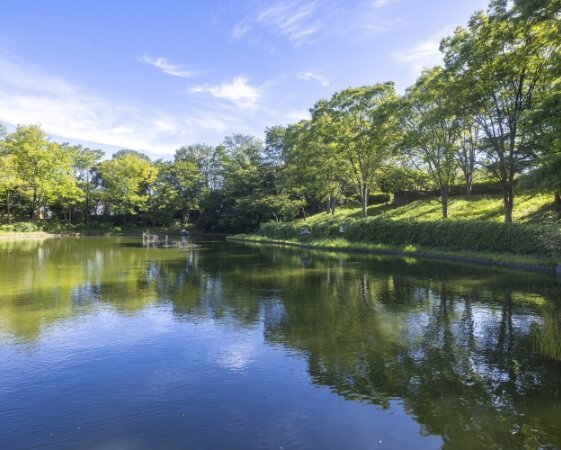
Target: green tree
<point>127,178</point>
<point>432,130</point>
<point>10,181</point>
<point>85,161</point>
<point>499,62</point>
<point>40,164</point>
<point>363,128</point>
<point>178,188</point>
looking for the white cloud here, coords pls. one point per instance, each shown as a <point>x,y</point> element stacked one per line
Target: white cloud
<point>167,67</point>
<point>425,54</point>
<point>307,76</point>
<point>237,91</point>
<point>29,95</point>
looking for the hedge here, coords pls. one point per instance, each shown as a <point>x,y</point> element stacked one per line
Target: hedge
<point>485,236</point>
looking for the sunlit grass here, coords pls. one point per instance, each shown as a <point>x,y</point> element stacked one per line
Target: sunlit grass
<point>527,208</point>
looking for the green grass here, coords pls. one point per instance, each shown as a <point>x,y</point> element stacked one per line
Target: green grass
<point>527,208</point>
<point>475,230</point>
<point>547,338</point>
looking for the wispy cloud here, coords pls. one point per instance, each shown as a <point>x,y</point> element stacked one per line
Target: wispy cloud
<point>167,67</point>
<point>240,29</point>
<point>377,4</point>
<point>307,76</point>
<point>305,21</point>
<point>238,91</point>
<point>425,54</point>
<point>296,20</point>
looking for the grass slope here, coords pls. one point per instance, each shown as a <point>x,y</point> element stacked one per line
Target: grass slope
<point>527,208</point>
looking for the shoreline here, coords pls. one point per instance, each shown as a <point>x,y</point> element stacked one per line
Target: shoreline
<point>22,236</point>
<point>544,267</point>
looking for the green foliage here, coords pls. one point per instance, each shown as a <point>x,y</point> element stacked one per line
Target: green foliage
<point>127,178</point>
<point>461,235</point>
<point>21,227</point>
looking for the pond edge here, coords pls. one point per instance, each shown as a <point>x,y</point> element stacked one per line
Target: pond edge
<point>550,269</point>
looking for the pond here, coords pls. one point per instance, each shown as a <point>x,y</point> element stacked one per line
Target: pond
<point>105,344</point>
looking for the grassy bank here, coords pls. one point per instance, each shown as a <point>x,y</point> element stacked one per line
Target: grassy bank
<point>474,233</point>
<point>528,208</point>
<point>18,236</point>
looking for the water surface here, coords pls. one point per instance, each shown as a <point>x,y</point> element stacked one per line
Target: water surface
<point>105,344</point>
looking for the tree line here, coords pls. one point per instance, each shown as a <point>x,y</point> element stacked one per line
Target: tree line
<point>491,112</point>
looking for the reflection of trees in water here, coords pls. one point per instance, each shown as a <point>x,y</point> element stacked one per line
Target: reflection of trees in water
<point>462,363</point>
<point>454,343</point>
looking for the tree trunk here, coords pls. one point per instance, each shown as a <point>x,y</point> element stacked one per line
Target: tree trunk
<point>87,200</point>
<point>364,201</point>
<point>444,199</point>
<point>34,206</point>
<point>508,201</point>
<point>469,186</point>
<point>8,207</point>
<point>557,200</point>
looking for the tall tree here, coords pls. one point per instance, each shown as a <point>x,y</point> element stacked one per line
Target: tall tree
<point>500,61</point>
<point>84,161</point>
<point>10,181</point>
<point>545,121</point>
<point>40,164</point>
<point>364,130</point>
<point>432,130</point>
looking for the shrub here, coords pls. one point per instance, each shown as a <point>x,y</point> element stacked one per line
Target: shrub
<point>21,227</point>
<point>456,235</point>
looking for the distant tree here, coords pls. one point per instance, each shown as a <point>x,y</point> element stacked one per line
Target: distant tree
<point>127,178</point>
<point>10,181</point>
<point>178,188</point>
<point>124,152</point>
<point>45,169</point>
<point>84,162</point>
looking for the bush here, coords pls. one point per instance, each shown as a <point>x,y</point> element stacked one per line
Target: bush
<point>456,235</point>
<point>21,227</point>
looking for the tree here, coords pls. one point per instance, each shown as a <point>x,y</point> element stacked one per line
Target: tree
<point>499,61</point>
<point>10,180</point>
<point>127,178</point>
<point>432,130</point>
<point>468,152</point>
<point>545,120</point>
<point>178,188</point>
<point>40,164</point>
<point>363,127</point>
<point>85,160</point>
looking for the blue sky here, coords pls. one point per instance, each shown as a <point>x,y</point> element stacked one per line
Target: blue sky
<point>153,76</point>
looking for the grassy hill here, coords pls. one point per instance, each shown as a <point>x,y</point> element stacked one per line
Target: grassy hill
<point>475,225</point>
<point>527,208</point>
